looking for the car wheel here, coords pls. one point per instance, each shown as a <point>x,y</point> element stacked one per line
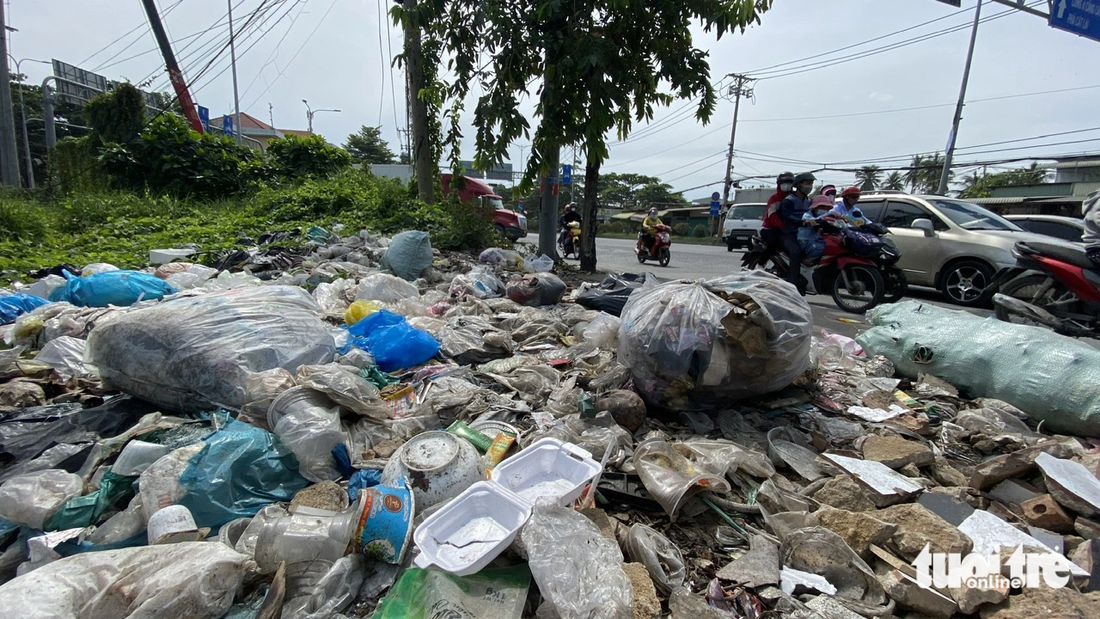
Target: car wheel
<point>967,283</point>
<point>730,244</point>
<point>500,230</point>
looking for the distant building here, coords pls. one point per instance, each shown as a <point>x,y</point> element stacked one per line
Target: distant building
<point>256,133</point>
<point>1074,178</point>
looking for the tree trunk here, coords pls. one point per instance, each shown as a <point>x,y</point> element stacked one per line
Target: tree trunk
<point>588,216</point>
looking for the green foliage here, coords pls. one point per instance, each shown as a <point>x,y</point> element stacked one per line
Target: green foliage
<point>636,191</point>
<point>367,146</point>
<point>699,231</point>
<point>982,185</point>
<point>295,157</point>
<point>869,177</point>
<point>171,158</point>
<point>680,229</point>
<point>923,175</point>
<point>21,220</point>
<point>894,182</point>
<point>74,165</point>
<point>117,116</point>
<point>618,227</point>
<point>316,199</point>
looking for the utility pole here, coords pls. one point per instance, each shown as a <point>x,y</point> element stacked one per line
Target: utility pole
<point>9,151</point>
<point>233,62</point>
<point>271,114</point>
<point>738,89</point>
<point>310,112</point>
<point>950,150</point>
<point>422,156</point>
<point>174,73</point>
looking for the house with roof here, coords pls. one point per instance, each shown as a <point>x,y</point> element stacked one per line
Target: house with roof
<point>1074,179</point>
<point>256,133</point>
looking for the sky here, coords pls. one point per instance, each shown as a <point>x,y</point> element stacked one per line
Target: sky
<point>336,54</point>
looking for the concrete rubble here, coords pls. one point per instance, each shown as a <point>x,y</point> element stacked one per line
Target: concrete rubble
<point>301,445</point>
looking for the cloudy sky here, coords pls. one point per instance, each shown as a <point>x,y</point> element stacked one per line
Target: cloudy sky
<point>838,81</point>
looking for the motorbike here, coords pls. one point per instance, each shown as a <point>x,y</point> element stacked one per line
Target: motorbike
<point>859,276</point>
<point>570,245</point>
<point>658,250</point>
<point>1051,285</point>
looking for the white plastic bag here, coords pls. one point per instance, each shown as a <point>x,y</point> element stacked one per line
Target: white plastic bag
<point>333,297</point>
<point>578,570</point>
<point>193,579</point>
<point>538,264</point>
<point>385,288</point>
<point>97,267</point>
<point>160,483</point>
<point>603,332</point>
<point>309,425</point>
<point>261,389</point>
<point>344,387</point>
<point>30,499</point>
<point>66,356</point>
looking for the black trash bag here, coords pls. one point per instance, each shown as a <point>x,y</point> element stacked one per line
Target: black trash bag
<point>611,295</point>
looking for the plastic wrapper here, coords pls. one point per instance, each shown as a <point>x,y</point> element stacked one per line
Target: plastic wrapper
<point>332,593</point>
<point>345,387</point>
<point>66,356</point>
<point>409,255</point>
<point>394,344</point>
<point>478,283</point>
<point>671,478</point>
<point>984,357</point>
<point>159,484</point>
<point>578,570</point>
<point>96,268</point>
<point>660,557</point>
<point>231,281</point>
<point>13,306</point>
<point>533,383</point>
<point>120,288</point>
<point>611,294</point>
<point>193,579</point>
<point>385,288</point>
<point>470,339</point>
<point>538,264</point>
<point>261,389</point>
<point>32,498</point>
<point>426,323</point>
<point>695,346</point>
<point>603,331</point>
<point>239,470</point>
<point>818,550</point>
<point>536,290</point>
<point>502,257</point>
<point>726,457</point>
<point>193,354</point>
<point>492,593</point>
<point>83,511</point>
<point>43,287</point>
<point>193,276</point>
<point>333,297</point>
<point>308,423</point>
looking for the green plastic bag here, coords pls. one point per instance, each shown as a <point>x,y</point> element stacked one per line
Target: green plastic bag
<point>492,593</point>
<point>83,511</point>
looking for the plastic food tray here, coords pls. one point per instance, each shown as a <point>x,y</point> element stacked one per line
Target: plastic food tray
<point>477,525</point>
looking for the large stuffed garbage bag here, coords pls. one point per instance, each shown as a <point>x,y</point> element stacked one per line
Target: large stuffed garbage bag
<point>409,255</point>
<point>121,288</point>
<point>13,306</point>
<point>195,353</point>
<point>1051,377</point>
<point>699,345</point>
<point>611,295</point>
<point>190,579</point>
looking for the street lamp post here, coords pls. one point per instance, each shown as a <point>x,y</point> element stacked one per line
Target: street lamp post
<point>311,112</point>
<point>23,116</point>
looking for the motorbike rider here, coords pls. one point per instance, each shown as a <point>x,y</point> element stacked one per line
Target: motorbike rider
<point>846,209</point>
<point>828,190</point>
<point>791,210</point>
<point>1090,212</point>
<point>772,228</point>
<point>570,216</point>
<point>649,229</point>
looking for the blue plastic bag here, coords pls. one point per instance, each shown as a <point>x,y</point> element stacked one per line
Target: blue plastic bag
<point>241,469</point>
<point>361,480</point>
<point>12,306</point>
<point>121,288</point>
<point>392,341</point>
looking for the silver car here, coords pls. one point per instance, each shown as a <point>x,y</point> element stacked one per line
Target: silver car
<point>950,244</point>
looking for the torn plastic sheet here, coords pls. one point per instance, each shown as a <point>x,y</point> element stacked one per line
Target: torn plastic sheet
<point>671,478</point>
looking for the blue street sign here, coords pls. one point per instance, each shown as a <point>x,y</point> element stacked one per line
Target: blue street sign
<point>227,124</point>
<point>204,118</point>
<point>715,206</point>
<point>714,197</point>
<point>567,175</point>
<point>1081,17</point>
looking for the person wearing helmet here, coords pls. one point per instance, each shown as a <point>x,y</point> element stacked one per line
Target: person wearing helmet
<point>649,229</point>
<point>569,216</point>
<point>847,211</point>
<point>791,210</point>
<point>829,191</point>
<point>771,229</point>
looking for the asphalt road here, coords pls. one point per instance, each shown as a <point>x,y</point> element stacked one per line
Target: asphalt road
<point>706,261</point>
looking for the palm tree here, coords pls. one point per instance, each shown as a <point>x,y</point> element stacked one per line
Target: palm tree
<point>913,174</point>
<point>894,182</point>
<point>868,177</point>
<point>931,172</point>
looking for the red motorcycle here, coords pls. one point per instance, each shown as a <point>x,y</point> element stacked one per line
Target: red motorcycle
<point>658,249</point>
<point>857,279</point>
<point>1052,285</point>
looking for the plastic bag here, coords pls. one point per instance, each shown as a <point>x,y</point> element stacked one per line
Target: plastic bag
<point>539,264</point>
<point>818,550</point>
<point>66,356</point>
<point>469,339</point>
<point>385,288</point>
<point>578,571</point>
<point>394,344</point>
<point>671,478</point>
<point>121,288</point>
<point>536,291</point>
<point>478,283</point>
<point>492,593</point>
<point>159,484</point>
<point>240,469</point>
<point>660,557</point>
<point>333,297</point>
<point>360,309</point>
<point>409,255</point>
<point>603,331</point>
<point>30,499</point>
<point>43,287</point>
<point>192,579</point>
<point>309,425</point>
<point>96,268</point>
<point>689,348</point>
<point>611,295</point>
<point>14,305</point>
<point>83,511</point>
<point>1051,377</point>
<point>231,281</point>
<point>192,354</point>
<point>331,594</point>
<point>345,387</point>
<point>261,389</point>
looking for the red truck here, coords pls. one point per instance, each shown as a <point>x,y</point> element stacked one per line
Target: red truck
<point>511,224</point>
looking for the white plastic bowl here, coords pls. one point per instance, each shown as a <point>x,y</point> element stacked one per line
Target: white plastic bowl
<point>548,468</point>
<point>470,531</point>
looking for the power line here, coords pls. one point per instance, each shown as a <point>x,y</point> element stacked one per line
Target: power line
<point>143,24</point>
<point>291,61</point>
<point>275,51</point>
<point>269,14</point>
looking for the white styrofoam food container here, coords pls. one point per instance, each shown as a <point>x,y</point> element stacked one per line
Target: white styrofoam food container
<point>477,525</point>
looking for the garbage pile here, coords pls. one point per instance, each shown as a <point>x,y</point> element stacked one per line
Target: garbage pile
<point>379,429</point>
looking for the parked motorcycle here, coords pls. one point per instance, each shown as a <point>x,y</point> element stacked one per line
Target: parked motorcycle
<point>1052,285</point>
<point>858,271</point>
<point>659,249</point>
<point>570,245</point>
